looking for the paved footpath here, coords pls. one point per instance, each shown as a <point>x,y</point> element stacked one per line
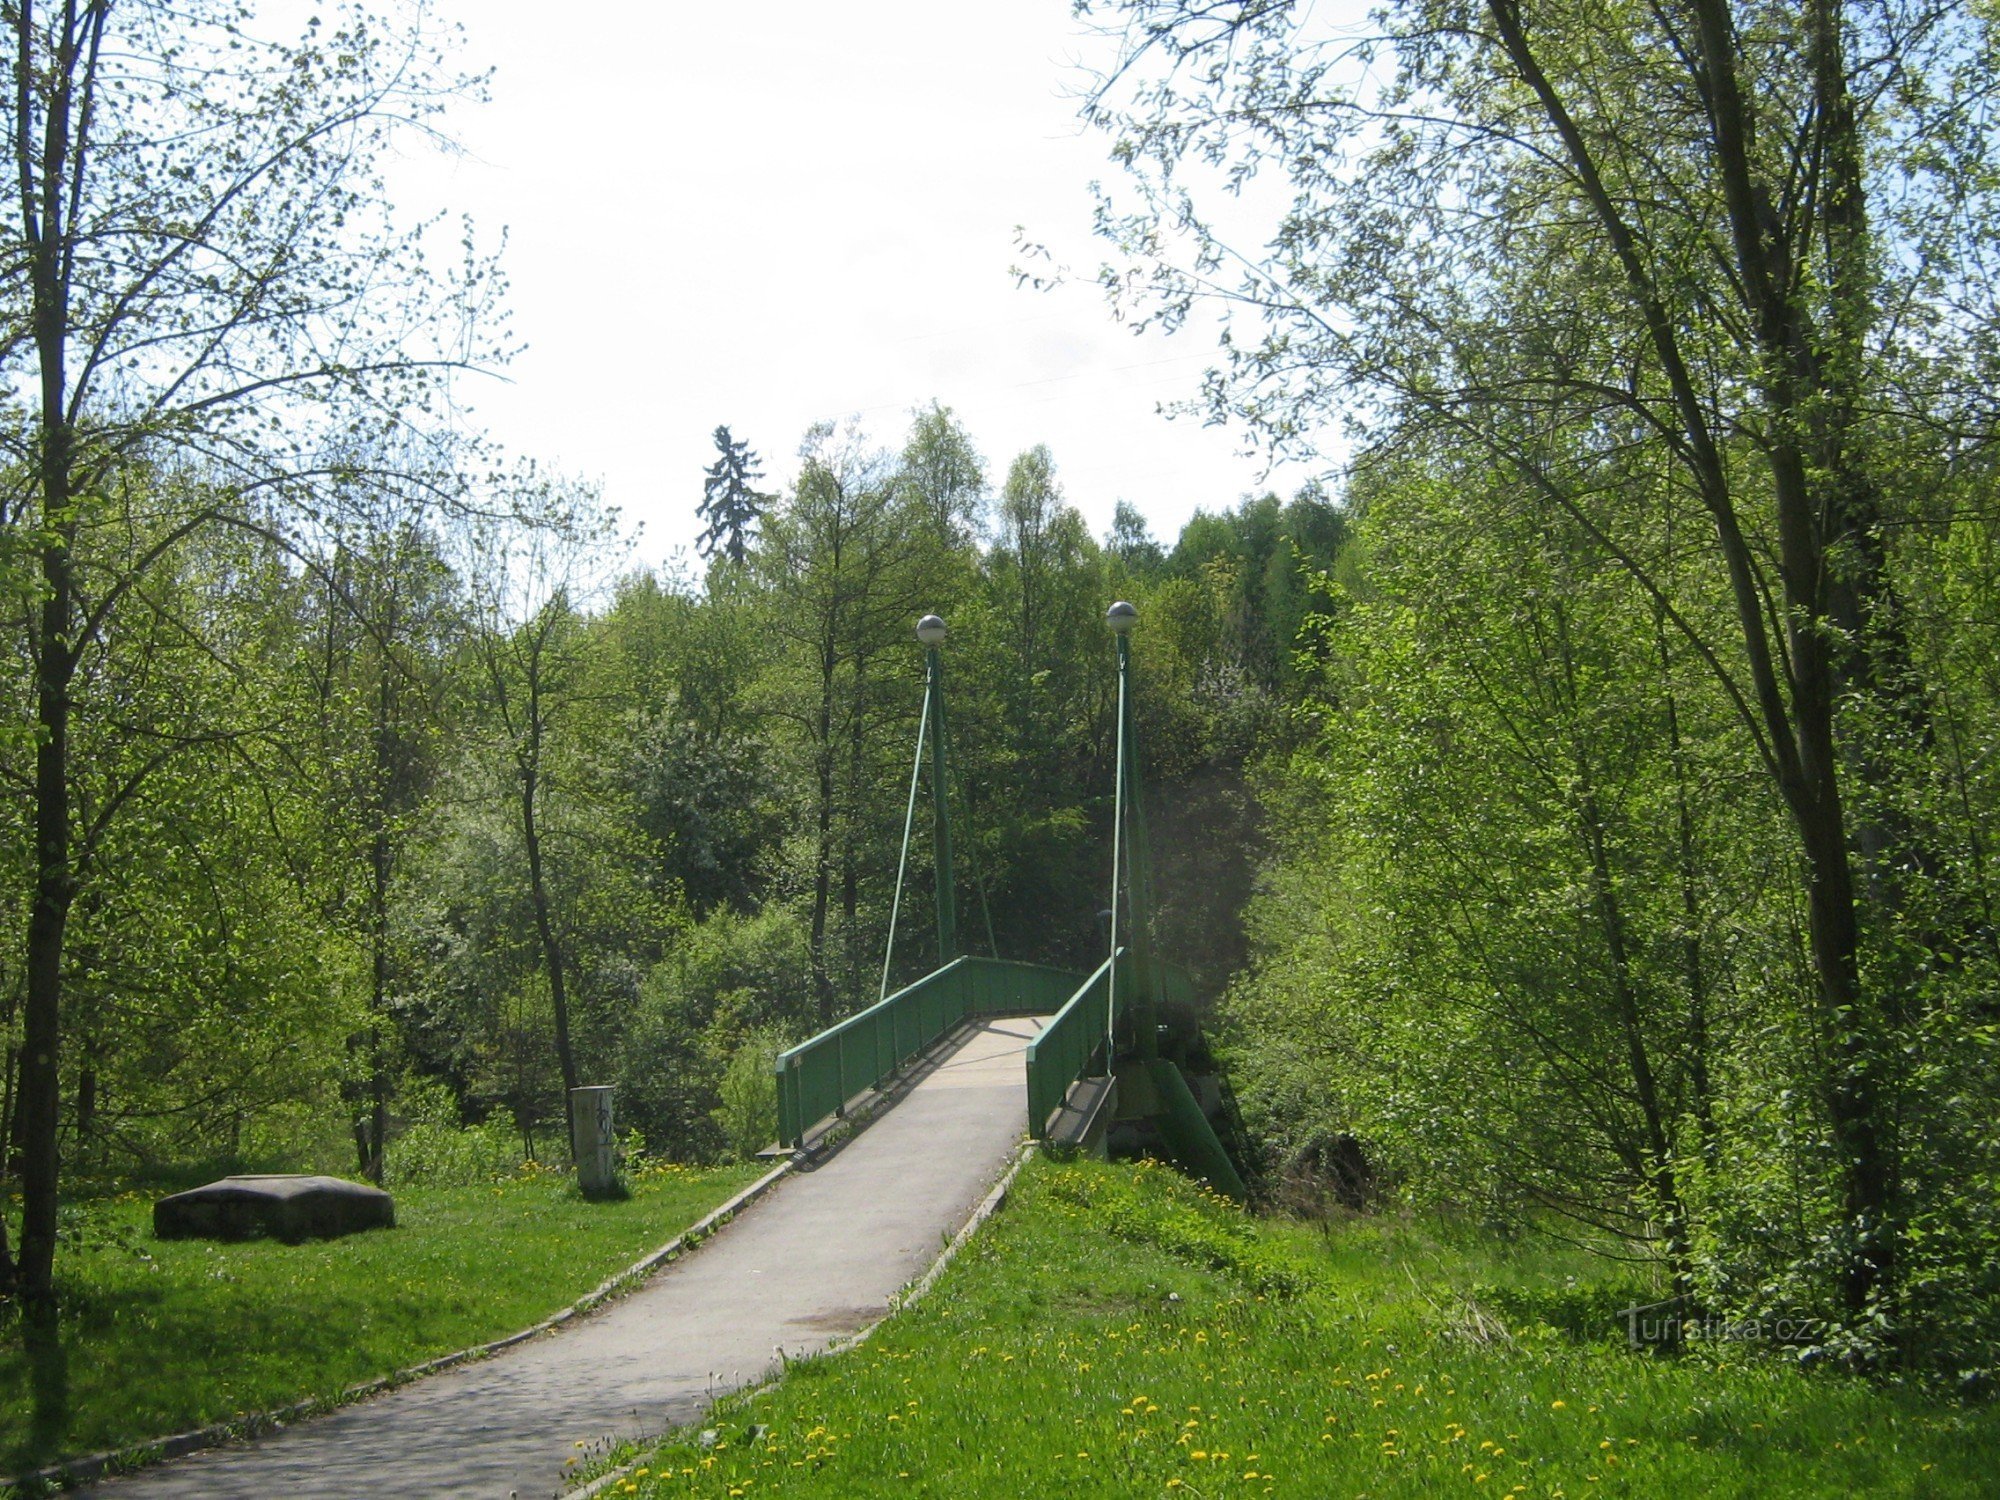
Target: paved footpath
<point>816,1258</point>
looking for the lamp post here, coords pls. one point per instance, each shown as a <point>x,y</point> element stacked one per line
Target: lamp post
<point>931,632</point>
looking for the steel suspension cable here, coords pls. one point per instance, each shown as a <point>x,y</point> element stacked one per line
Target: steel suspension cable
<point>902,863</point>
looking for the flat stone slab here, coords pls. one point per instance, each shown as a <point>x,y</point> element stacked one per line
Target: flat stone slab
<point>277,1206</point>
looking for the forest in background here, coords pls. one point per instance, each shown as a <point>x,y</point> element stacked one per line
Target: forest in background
<point>455,821</point>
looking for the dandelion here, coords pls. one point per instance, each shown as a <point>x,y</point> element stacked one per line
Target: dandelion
<point>1557,1405</point>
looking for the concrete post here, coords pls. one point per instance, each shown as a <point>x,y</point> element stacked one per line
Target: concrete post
<point>596,1146</point>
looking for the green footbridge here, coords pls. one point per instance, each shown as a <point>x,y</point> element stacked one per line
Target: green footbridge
<point>1115,1044</point>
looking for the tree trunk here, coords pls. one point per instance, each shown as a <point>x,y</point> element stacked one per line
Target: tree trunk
<point>10,1119</point>
<point>1694,969</point>
<point>545,933</point>
<point>377,1131</point>
<point>823,844</point>
<point>1826,524</point>
<point>86,1102</point>
<point>44,209</point>
<point>41,1093</point>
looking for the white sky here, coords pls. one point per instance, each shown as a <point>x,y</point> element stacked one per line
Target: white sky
<point>770,214</point>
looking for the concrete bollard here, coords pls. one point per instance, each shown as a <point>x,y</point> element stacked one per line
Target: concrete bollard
<point>596,1147</point>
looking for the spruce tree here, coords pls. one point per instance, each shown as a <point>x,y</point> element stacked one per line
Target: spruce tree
<point>730,505</point>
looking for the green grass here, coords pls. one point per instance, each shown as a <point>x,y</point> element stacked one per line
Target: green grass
<point>157,1337</point>
<point>1114,1331</point>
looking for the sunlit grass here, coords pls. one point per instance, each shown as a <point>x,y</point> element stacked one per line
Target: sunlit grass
<point>156,1337</point>
<point>1115,1332</point>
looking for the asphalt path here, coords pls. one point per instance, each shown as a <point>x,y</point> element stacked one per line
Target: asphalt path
<point>817,1258</point>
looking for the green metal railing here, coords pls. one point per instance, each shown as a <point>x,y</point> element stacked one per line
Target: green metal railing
<point>1072,1044</point>
<point>819,1077</point>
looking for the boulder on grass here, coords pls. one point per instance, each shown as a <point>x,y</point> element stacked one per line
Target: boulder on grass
<point>281,1206</point>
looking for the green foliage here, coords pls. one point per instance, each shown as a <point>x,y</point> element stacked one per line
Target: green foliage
<point>748,1112</point>
<point>435,1150</point>
<point>729,986</point>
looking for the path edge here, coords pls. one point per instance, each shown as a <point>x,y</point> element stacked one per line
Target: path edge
<point>910,1295</point>
<point>95,1466</point>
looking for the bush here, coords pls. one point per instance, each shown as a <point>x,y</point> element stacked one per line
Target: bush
<point>748,1114</point>
<point>436,1151</point>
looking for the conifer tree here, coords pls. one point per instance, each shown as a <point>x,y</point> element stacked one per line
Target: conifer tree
<point>730,503</point>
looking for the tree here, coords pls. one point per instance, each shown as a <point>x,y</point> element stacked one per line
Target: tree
<point>1131,540</point>
<point>729,503</point>
<point>1678,243</point>
<point>841,568</point>
<point>1044,657</point>
<point>389,615</point>
<point>944,474</point>
<point>531,646</point>
<point>202,272</point>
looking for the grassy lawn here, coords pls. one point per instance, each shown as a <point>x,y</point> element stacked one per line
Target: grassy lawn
<point>1114,1332</point>
<point>156,1337</point>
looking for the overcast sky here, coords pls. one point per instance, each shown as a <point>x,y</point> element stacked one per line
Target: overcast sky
<point>771,214</point>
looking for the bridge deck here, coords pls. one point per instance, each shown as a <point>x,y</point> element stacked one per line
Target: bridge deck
<point>818,1257</point>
